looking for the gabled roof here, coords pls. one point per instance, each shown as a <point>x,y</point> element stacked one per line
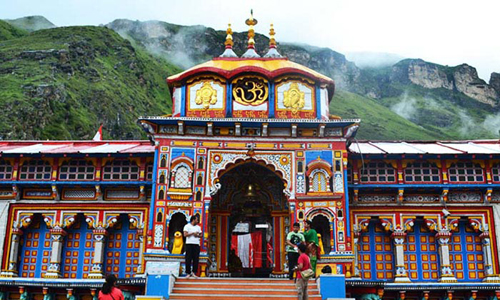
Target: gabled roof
<point>75,147</point>
<point>269,67</point>
<point>421,147</point>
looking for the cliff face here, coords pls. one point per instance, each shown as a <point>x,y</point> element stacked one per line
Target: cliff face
<point>468,82</point>
<point>462,78</point>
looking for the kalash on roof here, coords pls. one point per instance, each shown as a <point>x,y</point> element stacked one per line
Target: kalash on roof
<point>249,88</point>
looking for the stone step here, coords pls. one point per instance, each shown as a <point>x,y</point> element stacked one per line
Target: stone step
<point>201,296</point>
<point>240,291</point>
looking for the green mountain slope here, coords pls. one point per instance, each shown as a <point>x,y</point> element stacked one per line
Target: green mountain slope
<point>8,31</point>
<point>379,122</point>
<point>62,83</point>
<point>32,23</point>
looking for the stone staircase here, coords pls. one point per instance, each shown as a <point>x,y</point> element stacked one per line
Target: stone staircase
<point>239,289</point>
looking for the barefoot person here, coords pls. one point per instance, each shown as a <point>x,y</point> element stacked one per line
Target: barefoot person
<point>192,232</point>
<point>109,291</point>
<point>293,240</point>
<point>303,263</point>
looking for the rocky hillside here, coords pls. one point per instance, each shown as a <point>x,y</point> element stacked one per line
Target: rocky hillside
<point>62,83</point>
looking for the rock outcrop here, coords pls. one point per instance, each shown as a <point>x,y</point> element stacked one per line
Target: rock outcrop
<point>468,82</point>
<point>462,78</point>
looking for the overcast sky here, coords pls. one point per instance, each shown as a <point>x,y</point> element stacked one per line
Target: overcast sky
<point>441,31</point>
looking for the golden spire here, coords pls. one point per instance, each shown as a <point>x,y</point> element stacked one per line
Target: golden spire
<point>273,52</point>
<point>272,41</point>
<point>229,37</point>
<point>229,43</point>
<point>251,22</point>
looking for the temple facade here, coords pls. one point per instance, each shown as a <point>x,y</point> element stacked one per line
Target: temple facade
<point>251,148</point>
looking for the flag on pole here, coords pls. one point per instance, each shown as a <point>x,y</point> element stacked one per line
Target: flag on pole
<point>98,134</point>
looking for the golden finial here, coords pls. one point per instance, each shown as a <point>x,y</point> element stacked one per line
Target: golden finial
<point>272,41</point>
<point>251,22</point>
<point>229,37</point>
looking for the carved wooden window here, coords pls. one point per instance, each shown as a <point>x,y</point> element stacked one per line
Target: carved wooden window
<point>422,172</point>
<point>77,169</point>
<point>376,254</point>
<point>495,172</point>
<point>421,253</point>
<point>122,169</point>
<point>5,170</point>
<point>466,172</point>
<point>349,172</point>
<point>377,172</point>
<point>35,170</point>
<point>466,253</point>
<point>182,178</point>
<point>149,172</point>
<point>319,181</point>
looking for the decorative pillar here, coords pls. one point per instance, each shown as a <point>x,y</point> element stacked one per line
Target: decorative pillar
<point>356,274</point>
<point>449,295</point>
<point>425,295</point>
<point>54,270</point>
<point>473,295</point>
<point>398,237</point>
<point>489,274</point>
<point>24,295</point>
<point>93,293</point>
<point>443,238</point>
<point>12,268</point>
<point>140,233</point>
<point>402,295</point>
<point>96,272</point>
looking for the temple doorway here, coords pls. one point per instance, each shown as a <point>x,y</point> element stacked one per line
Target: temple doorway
<point>249,216</point>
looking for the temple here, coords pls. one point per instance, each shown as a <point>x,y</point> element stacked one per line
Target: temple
<point>251,148</point>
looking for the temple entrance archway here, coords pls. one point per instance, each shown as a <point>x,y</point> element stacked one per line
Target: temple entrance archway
<point>248,216</point>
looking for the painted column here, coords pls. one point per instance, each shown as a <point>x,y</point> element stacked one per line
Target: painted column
<point>489,274</point>
<point>356,273</point>
<point>54,270</point>
<point>142,267</point>
<point>398,237</point>
<point>443,237</point>
<point>12,267</point>
<point>98,259</point>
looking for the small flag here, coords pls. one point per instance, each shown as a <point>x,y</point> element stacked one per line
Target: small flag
<point>98,134</point>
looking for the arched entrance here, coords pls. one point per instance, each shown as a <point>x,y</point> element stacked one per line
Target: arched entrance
<point>248,216</point>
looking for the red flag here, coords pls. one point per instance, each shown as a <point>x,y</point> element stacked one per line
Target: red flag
<point>98,134</point>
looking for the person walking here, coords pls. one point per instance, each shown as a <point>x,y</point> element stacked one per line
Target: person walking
<point>192,232</point>
<point>293,240</point>
<point>109,291</point>
<point>312,243</point>
<point>303,263</point>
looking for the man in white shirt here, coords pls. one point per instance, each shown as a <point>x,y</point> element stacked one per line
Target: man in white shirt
<point>192,232</point>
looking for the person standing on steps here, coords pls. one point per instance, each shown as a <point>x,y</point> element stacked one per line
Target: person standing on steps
<point>293,240</point>
<point>192,232</point>
<point>109,291</point>
<point>312,243</point>
<point>303,263</point>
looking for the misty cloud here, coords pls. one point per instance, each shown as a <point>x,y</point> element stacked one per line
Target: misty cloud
<point>406,108</point>
<point>492,124</point>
